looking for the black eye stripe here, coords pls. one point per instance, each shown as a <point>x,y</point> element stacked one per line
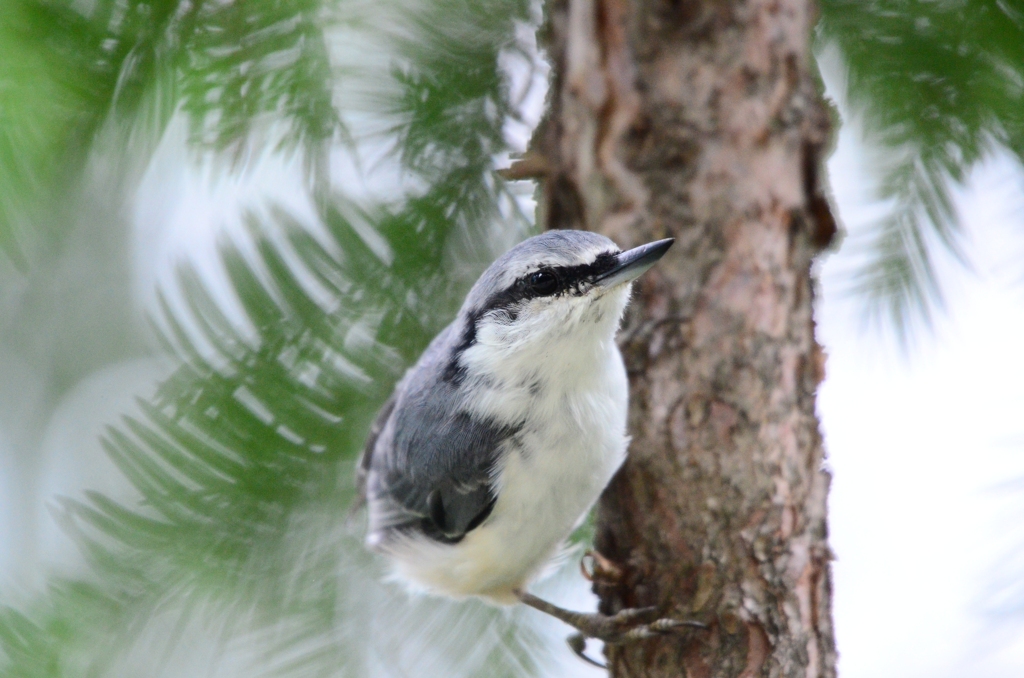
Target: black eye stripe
<point>568,278</point>
<point>572,276</point>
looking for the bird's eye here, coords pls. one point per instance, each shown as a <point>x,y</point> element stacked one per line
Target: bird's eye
<point>543,283</point>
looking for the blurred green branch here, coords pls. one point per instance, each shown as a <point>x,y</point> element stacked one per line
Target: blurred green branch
<point>233,68</point>
<point>941,85</point>
<point>242,461</point>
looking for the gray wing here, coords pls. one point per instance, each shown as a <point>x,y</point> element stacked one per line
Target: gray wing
<point>431,469</point>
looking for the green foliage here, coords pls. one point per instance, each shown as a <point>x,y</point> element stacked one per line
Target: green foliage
<point>940,84</point>
<point>243,61</point>
<point>244,436</point>
<point>242,462</point>
<point>52,84</point>
<point>126,66</point>
<point>243,459</point>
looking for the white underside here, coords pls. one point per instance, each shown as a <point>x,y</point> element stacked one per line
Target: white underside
<point>573,390</point>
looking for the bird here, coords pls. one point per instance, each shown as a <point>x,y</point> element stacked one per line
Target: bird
<point>496,444</point>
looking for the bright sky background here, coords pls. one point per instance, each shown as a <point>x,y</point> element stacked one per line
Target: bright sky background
<point>924,445</point>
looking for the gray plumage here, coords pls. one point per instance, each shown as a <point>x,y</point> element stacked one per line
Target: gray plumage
<point>520,398</point>
<point>432,461</point>
<point>430,467</point>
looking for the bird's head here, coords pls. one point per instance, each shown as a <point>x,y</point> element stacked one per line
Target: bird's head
<point>557,289</point>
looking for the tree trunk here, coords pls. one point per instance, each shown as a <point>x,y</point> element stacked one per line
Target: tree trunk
<point>702,121</point>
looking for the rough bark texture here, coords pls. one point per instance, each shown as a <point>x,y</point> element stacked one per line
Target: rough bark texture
<point>702,121</point>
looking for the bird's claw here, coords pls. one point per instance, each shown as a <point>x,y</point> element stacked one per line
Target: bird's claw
<point>609,628</point>
<point>628,625</point>
<point>622,627</point>
<point>578,644</point>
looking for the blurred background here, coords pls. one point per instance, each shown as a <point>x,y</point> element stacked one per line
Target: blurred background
<point>226,229</point>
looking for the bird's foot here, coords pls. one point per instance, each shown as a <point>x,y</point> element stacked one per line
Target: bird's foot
<point>623,627</point>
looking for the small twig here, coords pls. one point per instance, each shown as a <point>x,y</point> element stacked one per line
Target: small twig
<point>531,166</point>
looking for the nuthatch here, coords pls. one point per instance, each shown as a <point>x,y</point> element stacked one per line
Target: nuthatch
<point>497,443</point>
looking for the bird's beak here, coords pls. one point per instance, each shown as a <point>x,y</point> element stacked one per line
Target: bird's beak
<point>634,263</point>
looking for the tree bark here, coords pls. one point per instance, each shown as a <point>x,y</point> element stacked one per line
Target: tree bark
<point>702,121</point>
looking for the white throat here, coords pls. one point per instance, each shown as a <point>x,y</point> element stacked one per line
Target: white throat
<point>563,348</point>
